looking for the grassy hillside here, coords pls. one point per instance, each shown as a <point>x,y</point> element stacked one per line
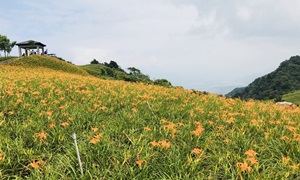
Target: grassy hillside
<point>292,97</point>
<point>104,72</point>
<point>7,58</point>
<point>48,62</point>
<point>137,131</point>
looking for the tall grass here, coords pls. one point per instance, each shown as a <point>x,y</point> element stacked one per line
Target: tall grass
<point>136,131</point>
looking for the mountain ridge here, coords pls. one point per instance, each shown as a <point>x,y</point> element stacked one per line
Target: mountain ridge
<point>283,80</point>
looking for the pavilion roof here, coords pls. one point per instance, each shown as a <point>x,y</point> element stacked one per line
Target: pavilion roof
<point>29,45</point>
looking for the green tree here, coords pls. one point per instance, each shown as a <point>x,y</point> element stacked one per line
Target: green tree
<point>162,82</point>
<point>139,75</point>
<point>134,71</point>
<point>94,61</point>
<point>5,45</point>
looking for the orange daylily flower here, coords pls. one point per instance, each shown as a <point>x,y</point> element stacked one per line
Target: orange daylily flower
<point>285,159</point>
<point>163,121</point>
<point>52,125</point>
<point>199,130</point>
<point>243,166</point>
<point>165,144</point>
<point>154,143</point>
<point>227,140</point>
<point>41,135</point>
<point>197,151</point>
<point>254,122</point>
<point>251,153</point>
<point>94,129</point>
<point>134,110</point>
<point>49,113</point>
<point>94,141</point>
<point>64,124</point>
<point>291,128</point>
<point>170,126</point>
<point>1,157</point>
<point>252,160</point>
<point>35,164</point>
<point>231,120</point>
<point>147,129</point>
<point>284,138</point>
<point>139,162</point>
<point>180,124</point>
<point>103,108</point>
<point>98,136</point>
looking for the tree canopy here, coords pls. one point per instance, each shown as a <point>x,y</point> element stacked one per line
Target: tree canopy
<point>5,45</point>
<point>94,61</point>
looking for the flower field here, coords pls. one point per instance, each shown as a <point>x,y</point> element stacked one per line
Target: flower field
<point>137,131</point>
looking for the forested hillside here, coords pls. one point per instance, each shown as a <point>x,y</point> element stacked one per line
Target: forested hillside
<point>285,79</point>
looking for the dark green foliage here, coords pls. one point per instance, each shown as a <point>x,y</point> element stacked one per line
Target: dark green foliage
<point>112,64</point>
<point>94,61</point>
<point>5,45</point>
<point>285,79</point>
<point>162,82</point>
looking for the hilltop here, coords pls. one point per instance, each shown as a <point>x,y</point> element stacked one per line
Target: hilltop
<point>285,79</point>
<point>47,62</point>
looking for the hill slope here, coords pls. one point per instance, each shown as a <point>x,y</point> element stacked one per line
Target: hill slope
<point>48,62</point>
<point>293,97</point>
<point>136,131</point>
<point>104,72</point>
<point>285,79</point>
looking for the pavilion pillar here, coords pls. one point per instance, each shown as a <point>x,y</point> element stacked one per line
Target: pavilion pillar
<point>43,50</point>
<point>38,50</point>
<point>20,51</point>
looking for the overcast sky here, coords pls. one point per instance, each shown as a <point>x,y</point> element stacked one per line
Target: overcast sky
<point>209,45</point>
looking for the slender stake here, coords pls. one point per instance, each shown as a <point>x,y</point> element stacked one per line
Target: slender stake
<point>77,152</point>
<point>150,108</point>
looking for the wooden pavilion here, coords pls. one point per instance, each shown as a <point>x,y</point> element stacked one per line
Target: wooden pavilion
<point>30,46</point>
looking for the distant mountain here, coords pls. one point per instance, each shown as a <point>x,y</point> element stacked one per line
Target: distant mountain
<point>235,91</point>
<point>285,79</point>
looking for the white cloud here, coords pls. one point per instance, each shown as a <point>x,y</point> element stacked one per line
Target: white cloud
<point>198,44</point>
<point>244,13</point>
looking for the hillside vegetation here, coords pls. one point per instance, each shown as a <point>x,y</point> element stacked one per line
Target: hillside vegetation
<point>293,97</point>
<point>113,71</point>
<point>7,58</point>
<point>285,79</point>
<point>137,131</point>
<point>34,61</point>
<point>105,72</point>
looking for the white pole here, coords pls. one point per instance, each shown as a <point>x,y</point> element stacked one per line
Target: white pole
<point>77,152</point>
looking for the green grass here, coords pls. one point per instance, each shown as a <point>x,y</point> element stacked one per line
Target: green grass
<point>293,97</point>
<point>137,131</point>
<point>94,69</point>
<point>7,58</point>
